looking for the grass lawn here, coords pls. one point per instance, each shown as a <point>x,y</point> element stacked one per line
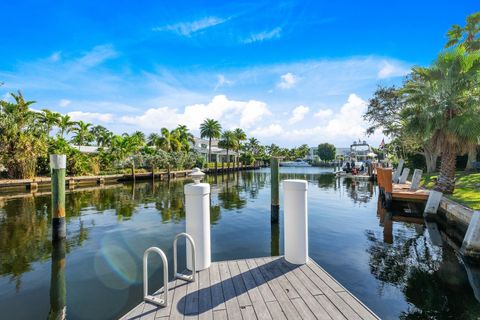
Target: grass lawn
<point>467,189</point>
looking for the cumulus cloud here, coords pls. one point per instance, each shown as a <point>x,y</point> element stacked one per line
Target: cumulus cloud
<point>188,28</point>
<point>270,131</point>
<point>264,35</point>
<point>92,117</point>
<point>343,127</point>
<point>298,114</point>
<point>323,113</point>
<point>230,113</point>
<point>287,81</point>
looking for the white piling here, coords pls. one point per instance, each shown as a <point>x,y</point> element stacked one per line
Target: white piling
<point>296,221</point>
<point>471,241</point>
<point>197,220</point>
<point>403,178</point>
<point>397,172</point>
<point>433,202</point>
<point>417,176</point>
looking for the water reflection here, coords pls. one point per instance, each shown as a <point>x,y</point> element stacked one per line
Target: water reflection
<point>429,273</point>
<point>109,227</point>
<point>58,288</point>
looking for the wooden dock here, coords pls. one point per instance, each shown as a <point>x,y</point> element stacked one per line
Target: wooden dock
<point>261,288</point>
<point>396,191</point>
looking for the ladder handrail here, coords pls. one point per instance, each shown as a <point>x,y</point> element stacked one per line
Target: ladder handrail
<point>160,302</point>
<point>192,243</point>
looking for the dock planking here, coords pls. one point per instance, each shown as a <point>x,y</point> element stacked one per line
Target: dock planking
<point>259,288</point>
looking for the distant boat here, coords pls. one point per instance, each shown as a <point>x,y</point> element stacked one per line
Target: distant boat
<point>296,163</point>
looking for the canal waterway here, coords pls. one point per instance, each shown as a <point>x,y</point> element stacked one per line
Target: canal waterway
<point>391,261</point>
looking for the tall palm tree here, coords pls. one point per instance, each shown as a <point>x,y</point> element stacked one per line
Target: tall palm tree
<point>82,132</point>
<point>445,101</point>
<point>210,129</point>
<point>227,142</point>
<point>65,125</point>
<point>240,136</point>
<point>49,119</point>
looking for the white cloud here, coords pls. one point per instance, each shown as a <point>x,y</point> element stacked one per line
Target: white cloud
<point>344,126</point>
<point>323,113</point>
<point>56,56</point>
<point>64,102</point>
<point>92,117</point>
<point>230,113</point>
<point>270,131</point>
<point>222,81</point>
<point>265,35</point>
<point>97,55</point>
<point>392,69</point>
<point>187,28</point>
<point>287,81</point>
<point>298,114</point>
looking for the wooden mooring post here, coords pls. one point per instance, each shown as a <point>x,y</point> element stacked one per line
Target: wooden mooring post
<point>275,199</point>
<point>58,165</point>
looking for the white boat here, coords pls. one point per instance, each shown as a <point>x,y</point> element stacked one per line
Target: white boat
<point>296,163</point>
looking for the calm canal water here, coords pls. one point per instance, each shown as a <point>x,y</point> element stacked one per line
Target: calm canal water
<point>396,269</point>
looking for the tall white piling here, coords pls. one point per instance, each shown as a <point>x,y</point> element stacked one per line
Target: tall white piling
<point>471,241</point>
<point>397,172</point>
<point>404,176</point>
<point>296,221</point>
<point>197,216</point>
<point>433,202</point>
<point>417,177</point>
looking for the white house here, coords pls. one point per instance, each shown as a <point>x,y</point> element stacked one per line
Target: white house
<point>217,154</point>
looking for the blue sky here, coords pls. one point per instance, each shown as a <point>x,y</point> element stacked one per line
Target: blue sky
<point>288,72</point>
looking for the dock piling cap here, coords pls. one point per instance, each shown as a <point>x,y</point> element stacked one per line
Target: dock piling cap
<point>295,184</point>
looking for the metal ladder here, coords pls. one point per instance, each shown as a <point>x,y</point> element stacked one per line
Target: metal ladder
<point>156,300</point>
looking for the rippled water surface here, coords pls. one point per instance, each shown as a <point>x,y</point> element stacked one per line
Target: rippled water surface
<point>393,263</point>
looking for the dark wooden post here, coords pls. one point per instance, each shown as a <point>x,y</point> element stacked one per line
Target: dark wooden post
<point>58,165</point>
<point>275,201</point>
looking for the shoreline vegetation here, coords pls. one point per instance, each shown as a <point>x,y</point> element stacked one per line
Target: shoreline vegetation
<point>434,116</point>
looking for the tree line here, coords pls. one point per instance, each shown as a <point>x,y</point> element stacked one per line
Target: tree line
<point>26,140</point>
<point>436,111</point>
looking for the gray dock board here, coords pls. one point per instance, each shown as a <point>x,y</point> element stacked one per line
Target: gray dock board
<point>218,300</point>
<point>231,301</point>
<point>262,284</point>
<point>258,303</point>
<point>204,296</point>
<point>275,310</point>
<point>261,288</point>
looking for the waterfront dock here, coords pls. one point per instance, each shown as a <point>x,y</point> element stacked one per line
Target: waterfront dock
<point>259,288</point>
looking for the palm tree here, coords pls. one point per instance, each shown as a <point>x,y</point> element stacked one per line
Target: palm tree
<point>169,141</point>
<point>240,136</point>
<point>227,142</point>
<point>444,99</point>
<point>184,136</point>
<point>83,133</point>
<point>65,125</point>
<point>22,138</point>
<point>153,140</point>
<point>210,129</point>
<point>49,119</point>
